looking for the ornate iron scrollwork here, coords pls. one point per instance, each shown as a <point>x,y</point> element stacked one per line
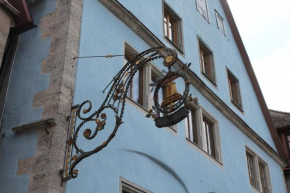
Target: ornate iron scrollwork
<point>174,108</point>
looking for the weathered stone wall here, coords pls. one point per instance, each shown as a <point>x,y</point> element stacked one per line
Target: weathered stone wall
<point>5,21</point>
<point>63,27</point>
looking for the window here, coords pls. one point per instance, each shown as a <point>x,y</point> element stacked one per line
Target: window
<point>172,27</point>
<point>201,6</point>
<point>252,175</point>
<point>263,178</point>
<point>129,187</point>
<point>258,172</point>
<point>191,126</point>
<point>220,23</point>
<point>202,129</point>
<point>135,89</point>
<point>207,127</point>
<point>234,90</point>
<point>206,62</point>
<point>154,76</point>
<point>139,89</point>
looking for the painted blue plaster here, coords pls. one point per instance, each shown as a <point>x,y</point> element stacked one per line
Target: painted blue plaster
<point>132,154</point>
<point>226,53</point>
<point>26,80</point>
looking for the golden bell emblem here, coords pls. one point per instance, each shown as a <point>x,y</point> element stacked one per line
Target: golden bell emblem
<point>170,94</point>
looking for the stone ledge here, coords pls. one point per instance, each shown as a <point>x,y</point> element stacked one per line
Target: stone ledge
<point>45,123</point>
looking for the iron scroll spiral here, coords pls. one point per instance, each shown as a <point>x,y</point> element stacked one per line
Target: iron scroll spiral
<point>116,100</point>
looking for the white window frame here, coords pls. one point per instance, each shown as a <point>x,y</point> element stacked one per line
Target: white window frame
<point>130,186</point>
<point>200,112</point>
<point>221,19</point>
<point>256,160</point>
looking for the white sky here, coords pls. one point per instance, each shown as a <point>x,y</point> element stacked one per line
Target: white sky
<point>265,29</point>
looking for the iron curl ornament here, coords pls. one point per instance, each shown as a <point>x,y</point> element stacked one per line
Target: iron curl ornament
<point>174,108</point>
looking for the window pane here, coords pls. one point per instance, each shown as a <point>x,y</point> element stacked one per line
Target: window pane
<point>172,26</point>
<point>193,126</point>
<point>134,88</point>
<point>190,126</point>
<point>234,90</point>
<point>263,177</point>
<point>154,77</point>
<point>202,60</point>
<point>251,170</point>
<point>211,140</point>
<point>207,70</point>
<point>206,62</point>
<point>170,33</point>
<point>205,136</point>
<point>173,36</point>
<point>208,130</point>
<point>165,26</point>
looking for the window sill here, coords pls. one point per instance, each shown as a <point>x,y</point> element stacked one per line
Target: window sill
<point>145,111</point>
<point>43,123</point>
<point>211,81</point>
<point>177,48</point>
<point>140,106</point>
<point>204,151</point>
<point>239,108</point>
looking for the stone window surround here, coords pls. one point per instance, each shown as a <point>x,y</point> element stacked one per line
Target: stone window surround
<point>257,159</point>
<point>200,112</point>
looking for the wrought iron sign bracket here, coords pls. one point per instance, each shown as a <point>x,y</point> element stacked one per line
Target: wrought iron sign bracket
<point>173,109</point>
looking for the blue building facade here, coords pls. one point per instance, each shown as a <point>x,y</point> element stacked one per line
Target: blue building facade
<point>227,145</point>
